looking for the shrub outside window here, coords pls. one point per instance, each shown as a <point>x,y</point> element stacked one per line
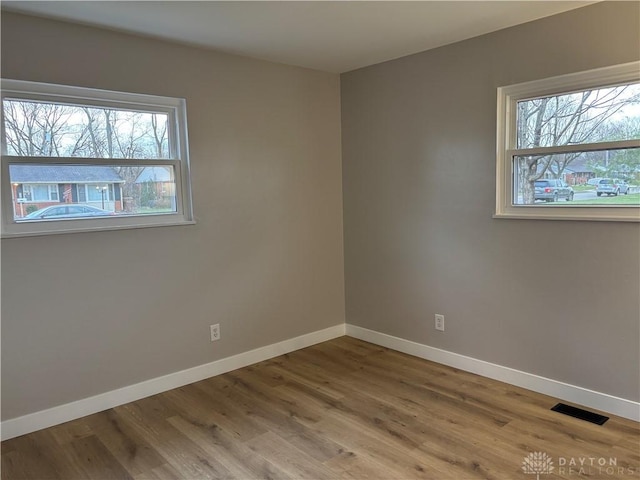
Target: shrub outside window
<point>79,159</point>
<point>569,146</point>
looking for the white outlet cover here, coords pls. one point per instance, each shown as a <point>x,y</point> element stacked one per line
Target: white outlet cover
<point>215,332</point>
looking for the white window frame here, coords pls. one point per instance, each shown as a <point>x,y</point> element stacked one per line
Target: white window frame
<point>174,108</point>
<point>508,97</point>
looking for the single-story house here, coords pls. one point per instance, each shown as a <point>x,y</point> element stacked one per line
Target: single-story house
<point>579,171</point>
<point>38,186</point>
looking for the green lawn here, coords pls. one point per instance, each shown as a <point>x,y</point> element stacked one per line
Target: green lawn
<point>149,210</point>
<point>632,199</point>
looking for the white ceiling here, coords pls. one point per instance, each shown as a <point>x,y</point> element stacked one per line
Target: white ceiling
<point>335,36</point>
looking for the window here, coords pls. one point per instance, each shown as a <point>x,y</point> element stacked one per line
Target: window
<point>79,159</point>
<point>99,192</point>
<point>569,147</point>
<point>39,193</point>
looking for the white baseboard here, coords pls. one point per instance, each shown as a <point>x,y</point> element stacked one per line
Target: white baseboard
<point>87,406</point>
<point>564,391</point>
<point>63,413</point>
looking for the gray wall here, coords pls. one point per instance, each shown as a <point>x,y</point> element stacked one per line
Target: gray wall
<point>87,313</point>
<point>554,298</point>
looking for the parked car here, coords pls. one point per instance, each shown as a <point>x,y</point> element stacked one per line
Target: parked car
<point>552,189</point>
<point>67,211</point>
<point>612,186</point>
<point>594,181</point>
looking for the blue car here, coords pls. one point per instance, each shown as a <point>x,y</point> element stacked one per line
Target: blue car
<point>58,212</point>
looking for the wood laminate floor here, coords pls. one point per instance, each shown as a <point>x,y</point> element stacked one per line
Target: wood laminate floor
<point>342,409</point>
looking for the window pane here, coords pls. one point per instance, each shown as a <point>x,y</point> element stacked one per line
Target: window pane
<point>609,177</point>
<point>98,191</point>
<point>590,116</point>
<point>102,190</point>
<point>40,193</point>
<point>63,130</point>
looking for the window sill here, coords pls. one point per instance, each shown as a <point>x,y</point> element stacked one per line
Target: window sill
<point>559,213</point>
<point>101,228</point>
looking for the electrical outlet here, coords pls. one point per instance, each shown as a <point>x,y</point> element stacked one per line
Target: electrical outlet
<point>439,322</point>
<point>215,332</point>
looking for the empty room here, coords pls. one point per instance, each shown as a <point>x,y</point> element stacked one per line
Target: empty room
<point>320,240</point>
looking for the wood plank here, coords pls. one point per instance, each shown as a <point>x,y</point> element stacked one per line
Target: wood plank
<point>70,431</point>
<point>16,465</point>
<point>236,456</point>
<point>149,418</point>
<point>375,446</point>
<point>296,463</point>
<point>266,412</point>
<point>40,456</point>
<point>95,461</point>
<point>124,442</point>
<point>162,472</point>
<point>343,409</point>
